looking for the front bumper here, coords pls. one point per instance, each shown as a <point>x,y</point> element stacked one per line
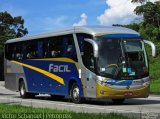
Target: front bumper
<point>108,92</point>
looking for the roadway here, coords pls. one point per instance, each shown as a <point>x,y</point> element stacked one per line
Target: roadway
<point>139,108</point>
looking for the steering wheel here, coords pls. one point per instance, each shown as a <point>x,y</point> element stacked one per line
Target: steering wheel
<point>114,68</point>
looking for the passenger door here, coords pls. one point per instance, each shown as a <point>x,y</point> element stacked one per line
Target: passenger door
<point>89,63</point>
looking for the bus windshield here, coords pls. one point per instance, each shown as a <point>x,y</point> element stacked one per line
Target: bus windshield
<point>121,58</point>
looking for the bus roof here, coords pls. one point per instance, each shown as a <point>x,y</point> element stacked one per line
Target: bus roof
<point>93,30</point>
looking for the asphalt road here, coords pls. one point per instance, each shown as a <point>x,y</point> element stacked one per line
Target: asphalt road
<point>143,108</point>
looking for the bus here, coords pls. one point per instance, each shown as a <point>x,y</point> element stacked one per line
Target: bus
<point>79,62</point>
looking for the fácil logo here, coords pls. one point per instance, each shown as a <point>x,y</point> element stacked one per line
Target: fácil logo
<point>58,68</point>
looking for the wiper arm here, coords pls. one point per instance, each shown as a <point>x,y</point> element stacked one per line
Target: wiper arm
<point>123,52</point>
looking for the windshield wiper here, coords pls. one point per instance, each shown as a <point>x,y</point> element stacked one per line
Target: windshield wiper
<point>123,53</point>
<point>122,62</point>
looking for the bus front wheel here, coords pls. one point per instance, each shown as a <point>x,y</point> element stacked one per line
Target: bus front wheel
<point>74,93</point>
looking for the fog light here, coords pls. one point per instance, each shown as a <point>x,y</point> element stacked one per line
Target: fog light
<point>102,92</point>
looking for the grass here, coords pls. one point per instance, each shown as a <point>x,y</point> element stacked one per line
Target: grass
<point>18,110</point>
<point>155,86</point>
<point>155,75</point>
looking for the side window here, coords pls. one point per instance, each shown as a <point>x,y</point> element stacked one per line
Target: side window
<point>31,50</point>
<point>59,46</point>
<point>80,38</point>
<point>40,51</point>
<point>14,51</point>
<point>69,48</point>
<point>55,47</point>
<point>52,47</point>
<point>86,50</point>
<point>18,51</point>
<point>45,48</point>
<point>8,51</point>
<point>88,57</point>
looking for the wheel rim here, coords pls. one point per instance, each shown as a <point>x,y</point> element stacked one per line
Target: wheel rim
<point>22,89</point>
<point>76,93</point>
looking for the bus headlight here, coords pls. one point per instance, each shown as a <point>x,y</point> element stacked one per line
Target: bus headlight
<point>146,81</point>
<point>102,81</point>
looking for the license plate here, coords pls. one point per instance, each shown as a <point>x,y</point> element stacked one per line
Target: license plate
<point>128,94</point>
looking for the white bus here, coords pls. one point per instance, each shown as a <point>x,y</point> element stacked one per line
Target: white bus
<point>79,62</point>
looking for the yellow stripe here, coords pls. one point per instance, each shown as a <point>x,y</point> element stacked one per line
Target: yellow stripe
<point>46,73</point>
<point>57,59</point>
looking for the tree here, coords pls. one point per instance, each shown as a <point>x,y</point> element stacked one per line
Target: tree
<point>150,12</point>
<point>139,1</point>
<point>133,26</point>
<point>149,28</point>
<point>10,27</point>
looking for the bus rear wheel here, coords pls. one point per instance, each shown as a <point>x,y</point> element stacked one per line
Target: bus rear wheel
<point>23,93</point>
<point>118,101</point>
<point>74,93</point>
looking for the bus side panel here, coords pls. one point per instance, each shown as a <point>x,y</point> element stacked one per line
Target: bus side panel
<point>34,80</point>
<point>41,83</point>
<point>12,74</point>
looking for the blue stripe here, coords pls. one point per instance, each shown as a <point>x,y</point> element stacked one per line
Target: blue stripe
<point>121,35</point>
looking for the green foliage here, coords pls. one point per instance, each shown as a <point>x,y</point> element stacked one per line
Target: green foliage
<point>154,71</point>
<point>151,33</point>
<point>133,26</point>
<point>150,30</point>
<point>150,12</point>
<point>155,86</point>
<point>138,1</point>
<point>150,27</point>
<point>155,75</point>
<point>10,27</point>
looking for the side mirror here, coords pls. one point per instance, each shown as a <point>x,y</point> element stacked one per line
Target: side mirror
<point>95,46</point>
<point>152,46</point>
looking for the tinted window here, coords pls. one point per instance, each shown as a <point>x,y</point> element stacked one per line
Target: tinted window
<point>80,38</point>
<point>86,50</point>
<point>51,47</point>
<point>14,51</point>
<point>31,50</point>
<point>59,46</point>
<point>69,48</point>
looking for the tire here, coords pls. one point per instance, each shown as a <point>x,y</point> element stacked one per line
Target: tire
<point>22,90</point>
<point>74,93</point>
<point>23,93</point>
<point>118,101</point>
